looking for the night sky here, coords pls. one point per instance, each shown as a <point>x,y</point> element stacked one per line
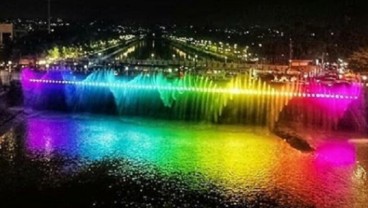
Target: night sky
<point>200,11</point>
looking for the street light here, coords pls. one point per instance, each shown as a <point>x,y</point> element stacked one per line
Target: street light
<point>10,65</point>
<point>49,16</point>
<point>195,60</point>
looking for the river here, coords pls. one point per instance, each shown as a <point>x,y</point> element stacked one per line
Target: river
<point>98,161</point>
<point>160,49</point>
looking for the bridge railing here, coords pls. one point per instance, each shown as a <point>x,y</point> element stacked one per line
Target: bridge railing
<point>202,63</point>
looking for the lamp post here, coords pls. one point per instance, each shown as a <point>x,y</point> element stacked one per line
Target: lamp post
<point>49,16</point>
<point>290,53</point>
<point>8,78</point>
<point>173,56</point>
<point>195,61</point>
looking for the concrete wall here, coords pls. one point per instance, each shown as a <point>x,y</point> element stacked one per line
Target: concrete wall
<point>3,100</point>
<point>6,28</point>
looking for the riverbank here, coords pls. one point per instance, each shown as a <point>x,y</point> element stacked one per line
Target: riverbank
<point>7,113</point>
<point>4,114</point>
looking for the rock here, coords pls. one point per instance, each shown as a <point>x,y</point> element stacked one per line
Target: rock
<point>293,139</point>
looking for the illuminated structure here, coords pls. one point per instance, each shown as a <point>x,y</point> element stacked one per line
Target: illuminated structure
<point>234,91</point>
<point>240,99</point>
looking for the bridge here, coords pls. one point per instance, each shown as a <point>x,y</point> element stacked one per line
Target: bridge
<point>211,64</point>
<point>157,63</point>
<point>192,97</point>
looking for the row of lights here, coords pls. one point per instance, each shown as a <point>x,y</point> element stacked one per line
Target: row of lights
<point>234,91</point>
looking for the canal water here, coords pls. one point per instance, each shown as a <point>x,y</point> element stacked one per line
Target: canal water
<point>161,49</point>
<point>82,160</point>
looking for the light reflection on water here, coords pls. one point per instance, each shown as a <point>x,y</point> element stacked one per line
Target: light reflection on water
<point>236,158</point>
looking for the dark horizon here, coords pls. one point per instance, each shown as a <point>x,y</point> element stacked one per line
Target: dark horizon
<point>190,11</point>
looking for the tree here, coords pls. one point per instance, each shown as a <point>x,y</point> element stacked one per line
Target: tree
<point>358,61</point>
<point>54,53</point>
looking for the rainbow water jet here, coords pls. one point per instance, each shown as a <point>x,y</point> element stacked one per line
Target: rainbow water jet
<point>240,99</point>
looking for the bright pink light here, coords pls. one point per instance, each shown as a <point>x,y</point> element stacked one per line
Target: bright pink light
<point>336,153</point>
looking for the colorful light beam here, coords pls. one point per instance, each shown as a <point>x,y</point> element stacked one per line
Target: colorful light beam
<point>234,91</point>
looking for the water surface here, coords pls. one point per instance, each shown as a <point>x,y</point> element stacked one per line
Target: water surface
<point>136,162</point>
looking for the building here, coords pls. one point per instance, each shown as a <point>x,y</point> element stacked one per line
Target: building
<point>301,63</point>
<point>304,66</point>
<point>6,33</point>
